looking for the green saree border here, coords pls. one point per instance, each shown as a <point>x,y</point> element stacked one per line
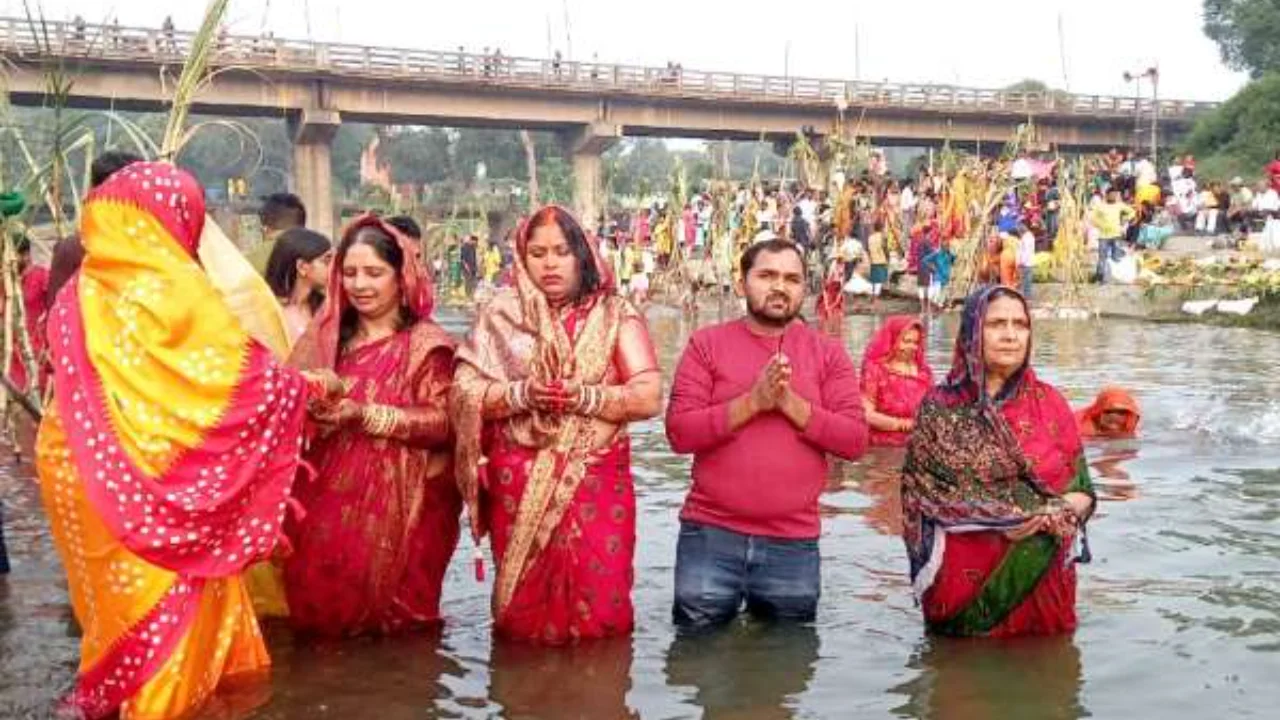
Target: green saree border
<point>1015,578</point>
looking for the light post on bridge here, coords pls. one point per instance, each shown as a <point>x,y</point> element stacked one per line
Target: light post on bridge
<point>1152,73</point>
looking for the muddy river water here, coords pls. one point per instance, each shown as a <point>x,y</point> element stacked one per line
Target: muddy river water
<point>1180,610</point>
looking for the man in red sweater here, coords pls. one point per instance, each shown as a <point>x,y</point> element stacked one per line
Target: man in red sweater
<point>760,402</point>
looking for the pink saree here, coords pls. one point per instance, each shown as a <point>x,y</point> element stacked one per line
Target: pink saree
<point>381,517</point>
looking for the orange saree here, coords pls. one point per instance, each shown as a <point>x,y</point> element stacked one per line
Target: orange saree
<point>165,458</point>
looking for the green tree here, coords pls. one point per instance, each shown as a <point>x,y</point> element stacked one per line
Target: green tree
<point>1247,33</point>
<point>1031,85</point>
<point>348,145</point>
<point>1240,136</point>
<point>417,155</point>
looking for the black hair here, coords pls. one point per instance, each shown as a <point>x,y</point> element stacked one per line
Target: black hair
<point>776,245</point>
<point>281,211</point>
<point>21,244</point>
<point>108,164</point>
<point>389,251</point>
<point>282,267</point>
<point>406,225</point>
<point>589,280</point>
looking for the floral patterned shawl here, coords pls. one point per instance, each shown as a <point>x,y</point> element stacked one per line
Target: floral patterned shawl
<point>977,462</point>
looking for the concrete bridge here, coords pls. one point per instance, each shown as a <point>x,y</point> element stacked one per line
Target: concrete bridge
<point>316,86</point>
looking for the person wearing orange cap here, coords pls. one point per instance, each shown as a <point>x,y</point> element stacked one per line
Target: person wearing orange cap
<point>1113,414</point>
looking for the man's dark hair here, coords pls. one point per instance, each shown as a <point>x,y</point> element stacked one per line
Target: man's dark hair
<point>776,245</point>
<point>108,164</point>
<point>281,211</point>
<point>407,226</point>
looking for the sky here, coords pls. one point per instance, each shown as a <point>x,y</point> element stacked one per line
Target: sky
<point>979,43</point>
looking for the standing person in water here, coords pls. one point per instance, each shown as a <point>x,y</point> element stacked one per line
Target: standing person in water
<point>166,456</point>
<point>68,252</point>
<point>995,486</point>
<point>554,371</point>
<point>1114,414</point>
<point>760,402</point>
<point>895,378</point>
<point>412,231</point>
<point>279,213</point>
<point>298,271</point>
<point>381,518</point>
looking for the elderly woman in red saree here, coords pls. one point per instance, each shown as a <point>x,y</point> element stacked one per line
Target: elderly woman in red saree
<point>381,516</point>
<point>1113,414</point>
<point>554,371</point>
<point>895,378</point>
<point>166,456</point>
<point>995,487</point>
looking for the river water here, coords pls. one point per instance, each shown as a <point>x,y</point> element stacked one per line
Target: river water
<point>1180,610</point>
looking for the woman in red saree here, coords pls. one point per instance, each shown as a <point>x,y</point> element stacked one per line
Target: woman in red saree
<point>166,456</point>
<point>381,517</point>
<point>1113,414</point>
<point>995,486</point>
<point>895,378</point>
<point>831,301</point>
<point>554,371</point>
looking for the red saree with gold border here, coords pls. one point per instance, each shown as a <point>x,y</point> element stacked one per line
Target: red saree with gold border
<point>381,515</point>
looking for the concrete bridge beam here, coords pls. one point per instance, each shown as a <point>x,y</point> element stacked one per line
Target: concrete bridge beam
<point>313,132</point>
<point>584,145</point>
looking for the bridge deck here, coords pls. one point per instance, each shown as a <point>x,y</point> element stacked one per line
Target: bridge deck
<point>111,44</point>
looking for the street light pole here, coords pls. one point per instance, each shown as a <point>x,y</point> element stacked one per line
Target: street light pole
<point>1155,114</point>
<point>1136,145</point>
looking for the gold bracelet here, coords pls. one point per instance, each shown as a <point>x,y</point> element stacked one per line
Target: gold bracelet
<point>379,420</point>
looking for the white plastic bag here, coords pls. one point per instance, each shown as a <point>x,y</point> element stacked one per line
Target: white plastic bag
<point>1270,242</point>
<point>1124,270</point>
<point>857,285</point>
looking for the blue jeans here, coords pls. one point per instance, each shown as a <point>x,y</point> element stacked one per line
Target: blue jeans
<point>1025,273</point>
<point>719,571</point>
<point>1108,249</point>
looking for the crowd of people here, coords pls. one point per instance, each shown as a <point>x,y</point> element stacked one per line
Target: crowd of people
<point>196,479</point>
<point>863,234</point>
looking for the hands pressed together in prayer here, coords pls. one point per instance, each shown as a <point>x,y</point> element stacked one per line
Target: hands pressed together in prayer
<point>556,397</point>
<point>1061,517</point>
<point>772,392</point>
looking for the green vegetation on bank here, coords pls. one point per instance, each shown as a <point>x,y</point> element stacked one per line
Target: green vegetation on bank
<point>1244,134</point>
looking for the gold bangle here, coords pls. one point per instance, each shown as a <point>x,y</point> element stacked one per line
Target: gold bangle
<point>379,420</point>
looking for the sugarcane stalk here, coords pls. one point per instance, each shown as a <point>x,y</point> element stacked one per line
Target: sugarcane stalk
<point>15,324</point>
<point>195,73</point>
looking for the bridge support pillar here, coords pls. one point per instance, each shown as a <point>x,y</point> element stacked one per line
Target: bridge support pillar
<point>584,145</point>
<point>313,132</point>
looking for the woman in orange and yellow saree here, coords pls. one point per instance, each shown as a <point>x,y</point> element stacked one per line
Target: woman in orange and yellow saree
<point>554,371</point>
<point>165,458</point>
<point>380,518</point>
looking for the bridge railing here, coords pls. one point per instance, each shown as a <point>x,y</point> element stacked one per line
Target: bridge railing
<point>25,39</point>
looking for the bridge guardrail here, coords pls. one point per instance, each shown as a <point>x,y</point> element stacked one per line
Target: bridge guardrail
<point>26,39</point>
